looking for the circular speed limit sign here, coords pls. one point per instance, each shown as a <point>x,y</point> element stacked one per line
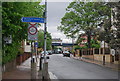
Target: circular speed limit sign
<point>32,30</point>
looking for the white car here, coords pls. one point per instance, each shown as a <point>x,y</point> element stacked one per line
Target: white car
<point>42,54</point>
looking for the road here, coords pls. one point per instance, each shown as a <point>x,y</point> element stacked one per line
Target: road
<point>69,68</point>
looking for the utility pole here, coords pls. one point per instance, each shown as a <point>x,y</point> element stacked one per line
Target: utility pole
<point>45,30</point>
<point>45,64</point>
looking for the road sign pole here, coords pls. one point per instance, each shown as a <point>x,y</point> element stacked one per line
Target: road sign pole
<point>45,31</point>
<point>45,65</point>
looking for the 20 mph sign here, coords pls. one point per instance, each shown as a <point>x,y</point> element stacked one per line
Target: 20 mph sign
<point>32,31</point>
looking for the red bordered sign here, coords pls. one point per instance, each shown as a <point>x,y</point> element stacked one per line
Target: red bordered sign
<point>32,29</point>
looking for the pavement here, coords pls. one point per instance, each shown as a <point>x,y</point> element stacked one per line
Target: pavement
<point>23,71</point>
<point>108,65</point>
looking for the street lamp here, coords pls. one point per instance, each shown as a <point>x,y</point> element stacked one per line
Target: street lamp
<point>45,27</point>
<point>45,65</point>
<point>45,30</point>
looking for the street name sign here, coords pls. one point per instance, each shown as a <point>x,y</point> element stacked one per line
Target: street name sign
<point>32,31</point>
<point>32,19</point>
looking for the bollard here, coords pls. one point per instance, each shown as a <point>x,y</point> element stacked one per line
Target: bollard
<point>103,59</point>
<point>40,65</point>
<point>20,58</point>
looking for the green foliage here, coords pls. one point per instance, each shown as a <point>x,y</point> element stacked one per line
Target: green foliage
<point>95,44</point>
<point>11,52</point>
<point>12,12</point>
<point>83,16</point>
<point>111,30</point>
<point>78,47</point>
<point>114,41</point>
<point>79,40</point>
<point>41,40</point>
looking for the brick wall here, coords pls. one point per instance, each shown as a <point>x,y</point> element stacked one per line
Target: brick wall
<point>9,66</point>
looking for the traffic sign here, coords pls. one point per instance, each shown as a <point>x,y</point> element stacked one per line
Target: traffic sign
<point>32,31</point>
<point>30,19</point>
<point>36,44</point>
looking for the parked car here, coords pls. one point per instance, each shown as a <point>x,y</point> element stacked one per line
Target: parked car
<point>58,51</point>
<point>42,54</point>
<point>66,53</point>
<point>49,52</point>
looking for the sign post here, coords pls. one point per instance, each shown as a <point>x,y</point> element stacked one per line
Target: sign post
<point>36,47</point>
<point>33,33</point>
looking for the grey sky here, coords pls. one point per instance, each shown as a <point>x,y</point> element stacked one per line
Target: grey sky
<point>56,11</point>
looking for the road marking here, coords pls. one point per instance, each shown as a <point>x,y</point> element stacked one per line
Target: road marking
<point>52,76</point>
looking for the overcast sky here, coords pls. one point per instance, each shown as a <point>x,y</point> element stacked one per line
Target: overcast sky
<point>55,11</point>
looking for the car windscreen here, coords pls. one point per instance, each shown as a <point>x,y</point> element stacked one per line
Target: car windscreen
<point>43,52</point>
<point>65,52</point>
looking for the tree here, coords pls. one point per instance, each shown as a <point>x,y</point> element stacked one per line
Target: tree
<point>12,25</point>
<point>111,26</point>
<point>41,40</point>
<point>83,16</point>
<point>115,28</point>
<point>95,44</point>
<point>49,41</point>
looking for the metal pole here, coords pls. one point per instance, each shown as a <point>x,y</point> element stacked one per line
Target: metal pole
<point>45,64</point>
<point>104,54</point>
<point>36,54</point>
<point>31,52</point>
<point>45,31</point>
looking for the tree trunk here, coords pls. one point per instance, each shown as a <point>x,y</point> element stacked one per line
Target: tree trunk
<point>89,38</point>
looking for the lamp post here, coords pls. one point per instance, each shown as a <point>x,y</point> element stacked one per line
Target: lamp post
<point>45,64</point>
<point>45,30</point>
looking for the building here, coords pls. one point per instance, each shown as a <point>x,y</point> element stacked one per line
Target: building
<point>83,38</point>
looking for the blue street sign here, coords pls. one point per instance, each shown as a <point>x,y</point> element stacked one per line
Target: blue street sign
<point>36,44</point>
<point>30,19</point>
